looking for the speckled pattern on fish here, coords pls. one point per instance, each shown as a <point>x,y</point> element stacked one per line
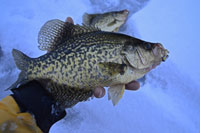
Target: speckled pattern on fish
<point>85,58</point>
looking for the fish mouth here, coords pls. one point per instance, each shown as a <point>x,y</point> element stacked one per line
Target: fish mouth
<point>164,52</point>
<point>125,12</point>
<point>160,54</point>
<point>147,60</point>
<point>122,15</point>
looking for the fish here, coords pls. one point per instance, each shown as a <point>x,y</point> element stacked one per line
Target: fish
<point>109,21</point>
<point>81,58</point>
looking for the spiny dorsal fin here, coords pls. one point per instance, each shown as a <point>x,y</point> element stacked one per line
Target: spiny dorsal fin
<point>79,30</point>
<point>51,34</point>
<point>55,31</point>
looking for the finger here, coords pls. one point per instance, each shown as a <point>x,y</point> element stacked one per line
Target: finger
<point>134,85</point>
<point>69,20</point>
<point>99,92</point>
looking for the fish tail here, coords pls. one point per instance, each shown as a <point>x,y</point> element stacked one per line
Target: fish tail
<point>22,62</point>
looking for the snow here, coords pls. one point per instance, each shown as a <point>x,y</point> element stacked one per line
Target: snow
<point>169,99</point>
<point>3,126</point>
<point>9,126</point>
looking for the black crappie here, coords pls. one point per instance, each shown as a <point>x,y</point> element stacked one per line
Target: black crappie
<point>109,21</point>
<point>82,58</point>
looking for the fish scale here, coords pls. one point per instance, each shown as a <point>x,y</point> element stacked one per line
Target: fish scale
<point>85,58</point>
<point>74,59</point>
<point>67,97</point>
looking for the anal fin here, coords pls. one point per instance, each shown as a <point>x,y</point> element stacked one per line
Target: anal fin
<point>115,93</point>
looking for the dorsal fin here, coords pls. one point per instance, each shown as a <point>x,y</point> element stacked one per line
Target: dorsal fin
<point>55,31</point>
<point>79,30</point>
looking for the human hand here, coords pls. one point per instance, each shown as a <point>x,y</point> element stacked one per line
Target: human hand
<point>99,92</point>
<point>69,20</point>
<point>33,98</point>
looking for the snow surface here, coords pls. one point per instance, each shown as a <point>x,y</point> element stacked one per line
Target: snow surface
<point>170,98</point>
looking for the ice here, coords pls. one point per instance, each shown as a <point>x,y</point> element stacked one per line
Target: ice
<point>3,126</point>
<point>13,126</point>
<point>111,5</point>
<point>8,127</point>
<point>169,99</point>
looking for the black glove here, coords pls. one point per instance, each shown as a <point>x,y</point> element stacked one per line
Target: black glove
<point>33,98</point>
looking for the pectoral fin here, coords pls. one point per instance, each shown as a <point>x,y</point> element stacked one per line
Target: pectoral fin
<point>111,69</point>
<point>115,93</point>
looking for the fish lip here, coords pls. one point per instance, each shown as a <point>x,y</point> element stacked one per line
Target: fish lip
<point>155,50</point>
<point>125,11</point>
<point>123,15</point>
<point>164,52</point>
<point>160,53</point>
<point>165,56</point>
<point>162,56</point>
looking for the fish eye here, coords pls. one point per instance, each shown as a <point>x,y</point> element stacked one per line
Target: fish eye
<point>147,45</point>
